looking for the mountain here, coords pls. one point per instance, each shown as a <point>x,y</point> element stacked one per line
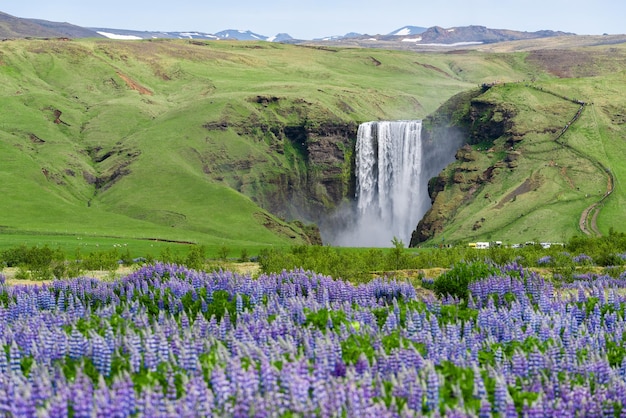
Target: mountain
<point>408,31</point>
<point>437,35</point>
<point>15,27</point>
<point>240,35</point>
<point>230,34</point>
<point>481,34</point>
<point>406,34</point>
<point>281,37</point>
<point>349,35</point>
<point>137,35</point>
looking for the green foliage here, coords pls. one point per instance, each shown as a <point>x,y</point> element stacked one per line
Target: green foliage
<point>42,263</point>
<point>102,260</point>
<point>5,299</point>
<point>391,341</point>
<point>356,265</point>
<point>461,378</point>
<point>244,257</point>
<point>451,314</point>
<point>196,257</point>
<point>322,318</point>
<point>455,281</point>
<point>563,266</point>
<point>167,256</point>
<point>604,250</point>
<point>614,271</point>
<point>398,257</point>
<point>223,252</point>
<point>26,363</point>
<point>355,346</point>
<point>22,273</point>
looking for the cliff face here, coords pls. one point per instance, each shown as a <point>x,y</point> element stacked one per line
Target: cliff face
<point>302,171</point>
<point>328,178</point>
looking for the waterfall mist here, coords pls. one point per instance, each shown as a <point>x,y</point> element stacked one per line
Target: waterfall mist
<point>393,166</point>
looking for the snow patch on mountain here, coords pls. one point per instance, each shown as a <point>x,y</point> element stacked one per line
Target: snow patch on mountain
<point>403,32</point>
<point>455,44</point>
<point>119,37</point>
<point>418,39</point>
<point>408,31</point>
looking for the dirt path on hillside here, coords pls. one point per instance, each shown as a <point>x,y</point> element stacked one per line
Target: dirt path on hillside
<point>133,85</point>
<point>588,222</point>
<point>587,227</point>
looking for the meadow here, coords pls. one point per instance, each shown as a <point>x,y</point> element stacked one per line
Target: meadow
<point>166,340</point>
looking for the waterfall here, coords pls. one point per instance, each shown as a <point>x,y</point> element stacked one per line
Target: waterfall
<point>389,196</point>
<point>393,165</point>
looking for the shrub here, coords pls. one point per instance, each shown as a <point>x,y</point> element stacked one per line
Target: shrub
<point>607,260</point>
<point>244,257</point>
<point>196,257</point>
<point>223,252</point>
<point>102,260</point>
<point>455,281</point>
<point>23,273</point>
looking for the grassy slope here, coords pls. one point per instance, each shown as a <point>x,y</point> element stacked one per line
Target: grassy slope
<point>564,180</point>
<point>177,188</point>
<point>601,133</point>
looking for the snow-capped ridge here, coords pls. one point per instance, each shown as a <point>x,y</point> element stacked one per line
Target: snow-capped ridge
<point>408,31</point>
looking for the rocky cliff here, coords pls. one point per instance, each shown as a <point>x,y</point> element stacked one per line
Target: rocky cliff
<point>307,169</point>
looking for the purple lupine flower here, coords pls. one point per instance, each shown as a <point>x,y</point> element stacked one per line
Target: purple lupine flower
<point>23,405</point>
<point>583,259</point>
<point>221,386</point>
<point>501,396</point>
<point>432,390</point>
<point>57,406</point>
<point>339,369</point>
<point>479,385</point>
<point>16,357</point>
<point>485,409</point>
<point>77,344</point>
<point>4,364</point>
<point>101,355</point>
<point>82,397</point>
<point>544,260</point>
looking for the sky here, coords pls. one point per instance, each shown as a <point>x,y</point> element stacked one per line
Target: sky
<point>309,19</point>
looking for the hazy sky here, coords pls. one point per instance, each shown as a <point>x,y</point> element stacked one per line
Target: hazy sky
<point>307,19</point>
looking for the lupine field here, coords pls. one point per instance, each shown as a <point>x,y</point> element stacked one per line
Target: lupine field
<point>170,341</point>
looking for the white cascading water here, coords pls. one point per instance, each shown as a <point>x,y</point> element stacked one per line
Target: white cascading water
<point>388,169</point>
<point>393,165</point>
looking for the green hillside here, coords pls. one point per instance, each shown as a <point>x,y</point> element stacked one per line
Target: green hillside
<point>198,142</point>
<point>531,180</point>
